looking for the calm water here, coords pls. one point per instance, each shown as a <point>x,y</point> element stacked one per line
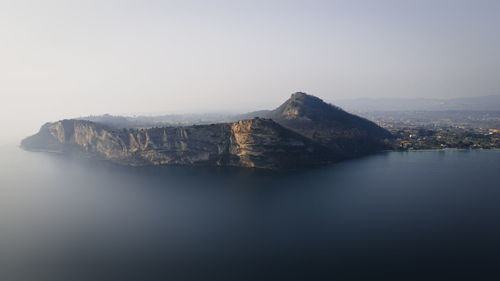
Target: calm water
<point>395,216</point>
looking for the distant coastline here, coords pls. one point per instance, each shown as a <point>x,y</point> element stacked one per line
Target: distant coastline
<point>448,149</point>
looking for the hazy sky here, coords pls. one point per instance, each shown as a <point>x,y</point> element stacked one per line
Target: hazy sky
<point>68,58</point>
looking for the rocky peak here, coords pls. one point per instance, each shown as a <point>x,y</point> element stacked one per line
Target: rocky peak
<point>303,106</point>
<point>298,95</point>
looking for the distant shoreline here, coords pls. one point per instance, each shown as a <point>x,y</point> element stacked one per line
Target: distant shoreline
<point>447,149</point>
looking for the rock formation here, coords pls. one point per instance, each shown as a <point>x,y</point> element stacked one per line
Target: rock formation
<point>345,133</point>
<point>304,131</point>
<point>259,143</point>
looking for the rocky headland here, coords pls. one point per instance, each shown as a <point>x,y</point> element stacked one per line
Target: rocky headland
<point>304,131</point>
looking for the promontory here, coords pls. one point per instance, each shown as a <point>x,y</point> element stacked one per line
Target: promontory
<point>303,131</point>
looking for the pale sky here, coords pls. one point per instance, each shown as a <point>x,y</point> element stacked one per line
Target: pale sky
<point>62,59</point>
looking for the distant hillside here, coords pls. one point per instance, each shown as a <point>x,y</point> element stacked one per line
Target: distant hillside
<point>472,120</point>
<point>483,103</point>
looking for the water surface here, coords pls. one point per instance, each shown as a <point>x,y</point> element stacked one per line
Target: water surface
<point>430,215</point>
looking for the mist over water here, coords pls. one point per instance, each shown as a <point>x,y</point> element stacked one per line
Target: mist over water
<point>426,215</point>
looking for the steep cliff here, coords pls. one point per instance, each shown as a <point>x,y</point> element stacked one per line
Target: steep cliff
<point>259,143</point>
<point>303,131</point>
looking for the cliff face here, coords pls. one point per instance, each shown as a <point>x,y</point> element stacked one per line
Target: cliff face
<point>259,143</point>
<point>303,131</point>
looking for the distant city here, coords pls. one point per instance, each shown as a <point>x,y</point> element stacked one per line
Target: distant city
<point>441,129</point>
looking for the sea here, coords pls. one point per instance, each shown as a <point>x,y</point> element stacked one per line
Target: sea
<point>419,215</point>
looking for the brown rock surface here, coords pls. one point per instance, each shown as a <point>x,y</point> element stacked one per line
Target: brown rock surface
<point>259,143</point>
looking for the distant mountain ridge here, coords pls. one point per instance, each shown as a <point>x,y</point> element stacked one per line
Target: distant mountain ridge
<point>482,103</point>
<point>303,131</point>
